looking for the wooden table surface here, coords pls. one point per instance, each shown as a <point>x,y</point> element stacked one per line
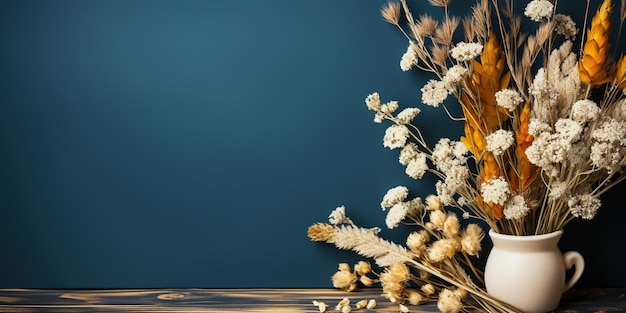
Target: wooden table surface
<point>249,300</point>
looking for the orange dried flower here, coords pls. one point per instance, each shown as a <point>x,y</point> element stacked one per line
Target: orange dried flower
<point>596,50</point>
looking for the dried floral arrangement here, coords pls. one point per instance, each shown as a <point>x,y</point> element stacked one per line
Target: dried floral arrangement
<point>544,138</point>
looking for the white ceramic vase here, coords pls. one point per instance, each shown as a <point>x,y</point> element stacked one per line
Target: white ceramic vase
<point>528,272</point>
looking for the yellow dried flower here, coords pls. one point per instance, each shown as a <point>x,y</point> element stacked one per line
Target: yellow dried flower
<point>596,50</point>
<point>344,280</point>
<point>428,289</point>
<point>437,218</point>
<point>443,248</point>
<point>471,238</point>
<point>449,302</point>
<point>362,267</point>
<point>344,267</point>
<point>371,304</point>
<point>366,281</point>
<point>433,203</point>
<point>451,225</point>
<point>416,240</point>
<point>394,280</point>
<point>321,232</point>
<point>414,297</point>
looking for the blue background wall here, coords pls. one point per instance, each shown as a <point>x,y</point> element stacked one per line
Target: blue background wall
<point>191,143</point>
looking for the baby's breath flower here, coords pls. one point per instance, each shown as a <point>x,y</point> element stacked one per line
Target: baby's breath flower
<point>584,206</point>
<point>516,208</point>
<point>409,59</point>
<point>389,107</point>
<point>415,298</point>
<point>499,141</point>
<point>536,127</point>
<point>407,115</point>
<point>496,190</point>
<point>565,26</point>
<point>434,93</point>
<point>371,304</point>
<point>373,101</point>
<point>394,196</point>
<point>568,130</point>
<point>396,214</point>
<point>417,167</point>
<point>338,216</point>
<point>585,111</point>
<point>557,189</point>
<point>537,10</point>
<point>509,99</point>
<point>454,76</point>
<point>466,51</point>
<point>408,153</point>
<point>396,136</point>
<point>444,192</point>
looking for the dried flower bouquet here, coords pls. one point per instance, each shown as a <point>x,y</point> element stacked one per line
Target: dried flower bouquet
<point>544,138</point>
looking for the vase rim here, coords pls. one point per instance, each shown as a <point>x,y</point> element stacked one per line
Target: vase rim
<point>553,234</point>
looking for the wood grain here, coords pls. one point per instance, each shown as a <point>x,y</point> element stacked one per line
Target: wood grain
<point>249,300</point>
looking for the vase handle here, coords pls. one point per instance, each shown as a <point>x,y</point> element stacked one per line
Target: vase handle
<point>573,258</point>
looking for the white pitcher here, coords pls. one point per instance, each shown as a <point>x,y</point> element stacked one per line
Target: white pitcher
<point>528,272</point>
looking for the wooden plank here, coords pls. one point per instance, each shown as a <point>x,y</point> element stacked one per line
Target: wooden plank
<point>249,300</point>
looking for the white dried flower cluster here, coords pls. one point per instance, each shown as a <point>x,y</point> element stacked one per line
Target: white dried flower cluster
<point>584,206</point>
<point>537,10</point>
<point>544,97</point>
<point>407,115</point>
<point>499,141</point>
<point>394,196</point>
<point>417,167</point>
<point>408,153</point>
<point>466,51</point>
<point>609,147</point>
<point>495,190</point>
<point>516,208</point>
<point>338,216</point>
<point>557,189</point>
<point>396,136</point>
<point>509,99</point>
<point>551,148</point>
<point>450,158</point>
<point>399,211</point>
<point>414,160</point>
<point>585,111</point>
<point>434,93</point>
<point>372,101</point>
<point>409,58</point>
<point>396,214</point>
<point>565,26</point>
<point>454,76</point>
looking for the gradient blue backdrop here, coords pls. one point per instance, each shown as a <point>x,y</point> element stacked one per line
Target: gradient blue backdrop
<point>191,143</point>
